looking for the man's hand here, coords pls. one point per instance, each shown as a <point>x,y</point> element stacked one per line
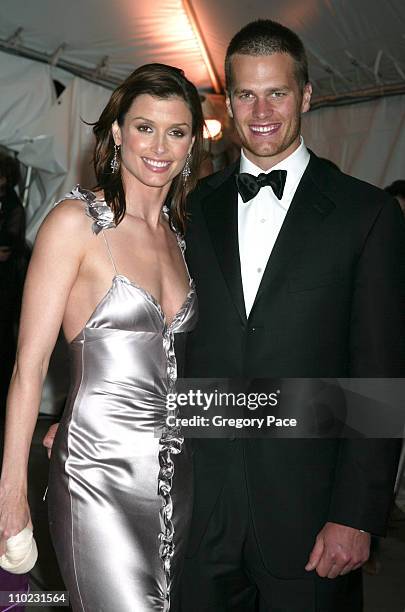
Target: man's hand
<point>338,550</point>
<point>50,437</point>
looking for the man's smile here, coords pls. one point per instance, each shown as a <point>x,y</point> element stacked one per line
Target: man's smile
<point>264,130</point>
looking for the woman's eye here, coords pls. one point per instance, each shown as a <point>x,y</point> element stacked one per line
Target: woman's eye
<point>177,133</point>
<point>144,128</point>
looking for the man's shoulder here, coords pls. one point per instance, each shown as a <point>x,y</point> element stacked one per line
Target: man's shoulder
<point>344,189</point>
<point>212,182</point>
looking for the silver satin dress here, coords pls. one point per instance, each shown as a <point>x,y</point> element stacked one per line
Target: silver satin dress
<point>120,485</point>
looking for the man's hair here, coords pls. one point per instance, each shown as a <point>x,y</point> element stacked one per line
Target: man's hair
<point>265,37</point>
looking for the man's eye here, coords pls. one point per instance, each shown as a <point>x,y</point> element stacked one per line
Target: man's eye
<point>245,96</point>
<point>278,94</point>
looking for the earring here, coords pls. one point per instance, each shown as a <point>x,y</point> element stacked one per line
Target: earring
<point>186,168</point>
<point>115,164</point>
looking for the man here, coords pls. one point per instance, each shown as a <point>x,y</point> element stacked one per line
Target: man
<point>305,281</point>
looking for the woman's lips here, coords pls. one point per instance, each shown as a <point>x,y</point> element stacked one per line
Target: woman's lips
<point>156,165</point>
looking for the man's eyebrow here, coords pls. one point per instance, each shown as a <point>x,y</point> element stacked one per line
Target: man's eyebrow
<point>242,90</point>
<point>250,90</point>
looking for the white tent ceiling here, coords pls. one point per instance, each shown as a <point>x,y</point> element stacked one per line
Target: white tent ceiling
<point>356,51</point>
<point>355,46</point>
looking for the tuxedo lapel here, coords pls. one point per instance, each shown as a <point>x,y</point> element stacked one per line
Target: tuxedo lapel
<point>221,214</point>
<point>307,210</point>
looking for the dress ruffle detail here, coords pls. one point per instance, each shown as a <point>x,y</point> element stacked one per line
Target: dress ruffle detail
<point>171,442</point>
<point>98,210</point>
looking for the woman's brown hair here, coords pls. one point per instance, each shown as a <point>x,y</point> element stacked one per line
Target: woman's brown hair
<point>159,81</point>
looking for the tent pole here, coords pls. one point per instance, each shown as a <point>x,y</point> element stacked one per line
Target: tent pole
<point>27,184</point>
<point>361,95</point>
<point>212,71</point>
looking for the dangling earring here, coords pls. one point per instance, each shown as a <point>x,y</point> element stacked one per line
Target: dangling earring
<point>115,164</point>
<point>186,168</point>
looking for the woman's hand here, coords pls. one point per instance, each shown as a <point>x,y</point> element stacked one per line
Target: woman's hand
<point>14,514</point>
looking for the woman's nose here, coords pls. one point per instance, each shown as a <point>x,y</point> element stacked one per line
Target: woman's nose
<point>159,144</point>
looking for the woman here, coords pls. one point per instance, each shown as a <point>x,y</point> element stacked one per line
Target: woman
<point>109,266</point>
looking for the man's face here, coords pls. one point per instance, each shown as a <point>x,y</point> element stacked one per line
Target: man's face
<point>266,103</point>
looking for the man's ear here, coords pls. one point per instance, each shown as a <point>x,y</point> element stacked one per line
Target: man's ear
<point>306,98</point>
<point>116,132</point>
<point>228,104</point>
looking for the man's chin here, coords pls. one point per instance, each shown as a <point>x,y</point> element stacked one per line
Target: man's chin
<point>272,151</point>
<point>264,151</point>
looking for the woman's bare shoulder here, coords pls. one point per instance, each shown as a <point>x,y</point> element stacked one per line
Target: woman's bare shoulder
<point>68,220</point>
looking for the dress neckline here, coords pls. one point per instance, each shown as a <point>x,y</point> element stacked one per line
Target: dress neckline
<point>150,297</point>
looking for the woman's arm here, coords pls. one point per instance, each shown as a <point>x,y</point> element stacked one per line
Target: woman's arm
<point>53,269</point>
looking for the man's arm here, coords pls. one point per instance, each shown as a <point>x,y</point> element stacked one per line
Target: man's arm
<point>366,468</point>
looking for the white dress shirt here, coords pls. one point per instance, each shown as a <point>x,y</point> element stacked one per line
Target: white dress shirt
<point>260,220</point>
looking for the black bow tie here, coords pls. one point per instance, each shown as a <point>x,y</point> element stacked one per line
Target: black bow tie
<point>249,185</point>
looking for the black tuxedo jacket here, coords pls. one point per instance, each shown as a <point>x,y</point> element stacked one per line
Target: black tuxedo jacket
<point>330,304</point>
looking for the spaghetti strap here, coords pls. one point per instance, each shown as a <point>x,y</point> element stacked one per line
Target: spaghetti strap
<point>182,245</point>
<point>109,252</point>
<point>180,240</point>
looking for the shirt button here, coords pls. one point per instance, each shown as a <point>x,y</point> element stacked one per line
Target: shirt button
<point>259,270</point>
<point>262,220</point>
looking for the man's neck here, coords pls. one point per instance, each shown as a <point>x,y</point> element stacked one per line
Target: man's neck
<point>273,161</point>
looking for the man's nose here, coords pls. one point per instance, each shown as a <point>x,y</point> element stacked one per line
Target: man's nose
<point>262,108</point>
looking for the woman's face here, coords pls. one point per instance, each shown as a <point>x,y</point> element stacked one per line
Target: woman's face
<point>155,138</point>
